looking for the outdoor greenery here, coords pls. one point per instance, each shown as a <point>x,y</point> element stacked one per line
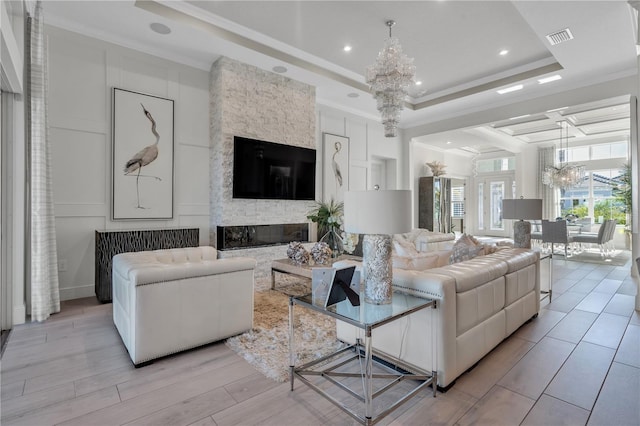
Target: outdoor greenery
<point>622,192</point>
<point>616,208</point>
<point>608,209</point>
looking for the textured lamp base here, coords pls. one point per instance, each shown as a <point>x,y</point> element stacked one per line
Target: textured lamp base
<point>522,234</point>
<point>378,272</point>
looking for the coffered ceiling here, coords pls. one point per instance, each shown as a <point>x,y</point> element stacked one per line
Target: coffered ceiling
<point>456,46</point>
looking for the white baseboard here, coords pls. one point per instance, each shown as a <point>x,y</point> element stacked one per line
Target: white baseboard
<point>77,292</point>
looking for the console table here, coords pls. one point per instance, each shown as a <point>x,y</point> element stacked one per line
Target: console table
<point>110,243</point>
<point>366,317</point>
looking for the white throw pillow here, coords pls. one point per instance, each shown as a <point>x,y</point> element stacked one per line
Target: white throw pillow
<point>402,247</point>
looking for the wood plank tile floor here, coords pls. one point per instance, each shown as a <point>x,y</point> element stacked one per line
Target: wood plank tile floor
<point>577,363</point>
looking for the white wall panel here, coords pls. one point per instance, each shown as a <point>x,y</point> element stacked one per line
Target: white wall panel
<point>83,74</point>
<point>330,122</point>
<point>75,238</point>
<point>193,122</point>
<point>79,166</point>
<point>150,77</point>
<point>357,133</point>
<point>192,187</point>
<point>77,77</point>
<point>358,176</point>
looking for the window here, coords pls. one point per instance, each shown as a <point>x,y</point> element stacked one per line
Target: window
<point>603,151</point>
<point>457,202</point>
<point>595,197</point>
<point>496,165</point>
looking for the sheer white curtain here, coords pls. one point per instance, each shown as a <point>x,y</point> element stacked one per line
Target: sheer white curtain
<point>45,296</point>
<point>548,195</point>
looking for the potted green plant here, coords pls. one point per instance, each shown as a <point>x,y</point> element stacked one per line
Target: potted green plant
<point>328,216</point>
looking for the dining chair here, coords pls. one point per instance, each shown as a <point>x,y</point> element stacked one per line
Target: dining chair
<point>556,233</point>
<point>600,238</point>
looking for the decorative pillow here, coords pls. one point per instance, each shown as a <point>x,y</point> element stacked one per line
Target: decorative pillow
<point>402,247</point>
<point>465,248</point>
<point>489,248</point>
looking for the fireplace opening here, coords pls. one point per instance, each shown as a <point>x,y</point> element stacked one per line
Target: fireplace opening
<point>248,236</point>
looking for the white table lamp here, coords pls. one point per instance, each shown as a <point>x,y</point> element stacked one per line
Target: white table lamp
<point>377,215</point>
<point>522,209</point>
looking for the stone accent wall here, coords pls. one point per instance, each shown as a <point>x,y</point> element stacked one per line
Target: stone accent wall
<point>263,255</point>
<point>250,102</point>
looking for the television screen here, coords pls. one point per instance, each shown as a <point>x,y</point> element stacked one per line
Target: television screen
<point>274,171</point>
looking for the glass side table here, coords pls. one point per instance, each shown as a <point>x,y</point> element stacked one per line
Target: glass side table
<point>366,317</point>
<point>546,276</point>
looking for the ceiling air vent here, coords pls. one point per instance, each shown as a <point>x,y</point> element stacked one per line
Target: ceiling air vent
<point>560,36</point>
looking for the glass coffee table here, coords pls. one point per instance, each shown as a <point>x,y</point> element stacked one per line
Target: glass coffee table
<point>334,369</point>
<point>287,266</point>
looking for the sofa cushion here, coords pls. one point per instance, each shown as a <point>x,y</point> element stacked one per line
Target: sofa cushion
<point>521,282</point>
<point>422,261</point>
<point>465,248</point>
<point>478,304</point>
<point>472,273</point>
<point>517,258</point>
<point>403,247</point>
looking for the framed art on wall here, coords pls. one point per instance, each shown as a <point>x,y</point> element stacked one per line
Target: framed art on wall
<point>142,156</point>
<point>335,175</point>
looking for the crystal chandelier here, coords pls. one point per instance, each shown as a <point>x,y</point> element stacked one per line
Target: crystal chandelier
<point>389,78</point>
<point>564,176</point>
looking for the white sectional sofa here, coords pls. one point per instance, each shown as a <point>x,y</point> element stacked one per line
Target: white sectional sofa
<point>167,301</point>
<point>421,249</point>
<point>480,302</point>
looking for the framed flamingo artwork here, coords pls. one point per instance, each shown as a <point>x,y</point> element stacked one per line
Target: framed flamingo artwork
<point>335,167</point>
<point>142,156</point>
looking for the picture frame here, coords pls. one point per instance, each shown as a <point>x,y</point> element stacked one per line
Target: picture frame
<point>143,156</point>
<point>335,165</point>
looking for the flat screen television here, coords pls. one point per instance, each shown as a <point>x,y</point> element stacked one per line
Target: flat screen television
<point>268,170</point>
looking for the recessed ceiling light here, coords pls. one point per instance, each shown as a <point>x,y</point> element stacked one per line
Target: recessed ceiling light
<point>279,69</point>
<point>549,79</point>
<point>520,116</point>
<point>448,142</point>
<point>347,48</point>
<point>503,52</point>
<point>353,95</point>
<point>510,89</point>
<point>418,83</point>
<point>159,28</point>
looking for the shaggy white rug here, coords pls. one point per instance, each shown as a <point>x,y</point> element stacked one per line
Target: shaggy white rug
<point>266,346</point>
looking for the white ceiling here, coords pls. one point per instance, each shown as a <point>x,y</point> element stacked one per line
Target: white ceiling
<point>455,45</point>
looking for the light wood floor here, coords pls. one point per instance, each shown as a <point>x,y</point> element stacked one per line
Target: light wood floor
<point>577,363</point>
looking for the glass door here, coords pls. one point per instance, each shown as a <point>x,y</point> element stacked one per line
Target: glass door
<point>491,191</point>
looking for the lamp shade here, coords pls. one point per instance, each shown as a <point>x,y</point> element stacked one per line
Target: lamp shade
<point>522,209</point>
<point>377,212</point>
